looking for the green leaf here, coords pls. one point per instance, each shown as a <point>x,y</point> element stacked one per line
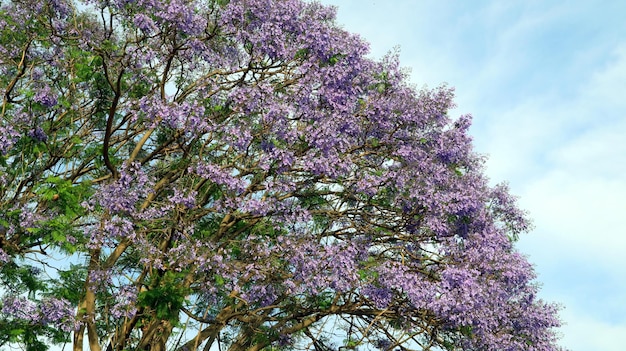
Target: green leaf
<point>219,280</point>
<point>333,60</point>
<point>301,54</point>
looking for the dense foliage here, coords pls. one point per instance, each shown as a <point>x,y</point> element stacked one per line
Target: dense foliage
<point>203,174</point>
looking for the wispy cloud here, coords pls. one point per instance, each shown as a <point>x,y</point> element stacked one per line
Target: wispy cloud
<point>576,193</point>
<point>583,332</point>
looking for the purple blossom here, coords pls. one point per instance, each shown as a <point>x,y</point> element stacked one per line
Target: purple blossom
<point>380,297</point>
<point>38,134</point>
<point>220,176</point>
<point>8,137</point>
<point>183,116</point>
<point>61,7</point>
<point>383,344</point>
<point>123,194</point>
<point>99,279</point>
<point>20,308</point>
<point>125,303</point>
<point>59,313</point>
<point>188,201</point>
<point>145,23</point>
<point>46,97</point>
<point>49,312</point>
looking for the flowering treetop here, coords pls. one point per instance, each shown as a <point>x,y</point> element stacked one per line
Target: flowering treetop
<point>238,174</point>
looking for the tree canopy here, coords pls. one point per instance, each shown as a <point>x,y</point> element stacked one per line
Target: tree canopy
<point>240,175</point>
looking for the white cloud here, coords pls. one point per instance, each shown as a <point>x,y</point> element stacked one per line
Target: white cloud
<point>576,193</point>
<point>578,248</point>
<point>582,132</point>
<point>591,334</point>
<point>579,218</point>
<point>609,84</point>
<point>599,152</point>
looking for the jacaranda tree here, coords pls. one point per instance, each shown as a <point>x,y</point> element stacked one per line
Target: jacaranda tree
<point>238,175</point>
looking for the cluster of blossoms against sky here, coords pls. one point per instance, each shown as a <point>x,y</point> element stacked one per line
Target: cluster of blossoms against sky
<point>243,166</point>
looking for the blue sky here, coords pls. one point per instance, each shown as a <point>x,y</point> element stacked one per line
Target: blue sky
<point>546,84</point>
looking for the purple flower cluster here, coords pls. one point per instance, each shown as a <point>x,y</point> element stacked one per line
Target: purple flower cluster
<point>123,194</point>
<point>380,297</point>
<point>20,308</point>
<point>8,137</point>
<point>125,300</point>
<point>188,201</point>
<point>48,312</point>
<point>183,116</point>
<point>38,134</point>
<point>46,97</point>
<point>145,23</point>
<point>221,176</point>
<point>57,312</point>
